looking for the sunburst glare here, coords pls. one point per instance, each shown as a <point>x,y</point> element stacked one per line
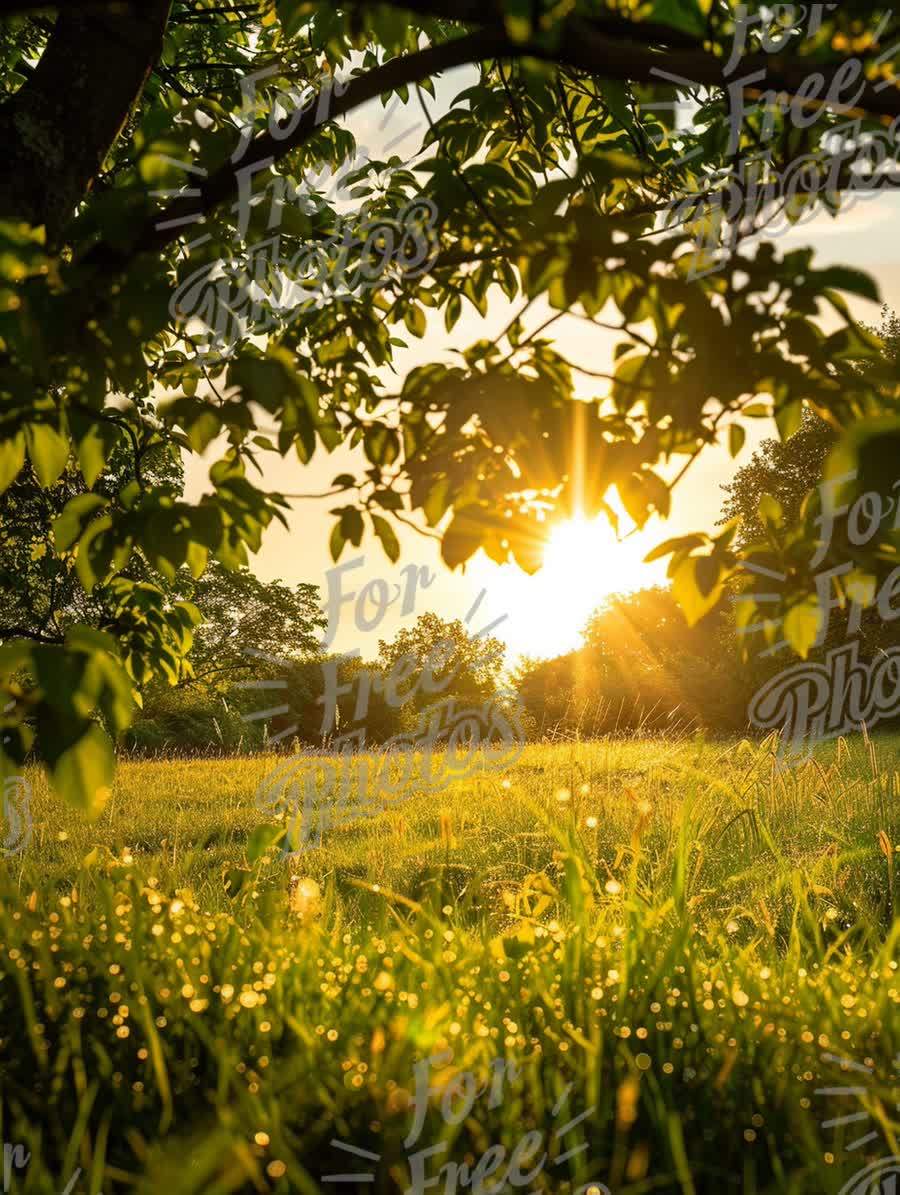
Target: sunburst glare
<point>584,563</point>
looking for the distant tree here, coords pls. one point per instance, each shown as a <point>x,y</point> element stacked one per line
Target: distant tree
<point>641,667</point>
<point>432,660</point>
<point>782,538</point>
<point>789,469</point>
<point>251,625</point>
<point>641,624</point>
<point>649,653</point>
<point>888,330</point>
<point>785,469</point>
<point>253,633</point>
<point>470,666</point>
<point>41,596</point>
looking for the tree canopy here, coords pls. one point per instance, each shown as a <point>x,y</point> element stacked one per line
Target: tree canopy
<point>458,663</point>
<point>169,274</point>
<point>787,470</point>
<point>40,591</point>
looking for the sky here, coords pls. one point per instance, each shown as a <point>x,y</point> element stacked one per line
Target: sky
<point>541,615</point>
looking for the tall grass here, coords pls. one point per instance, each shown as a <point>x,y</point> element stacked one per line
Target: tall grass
<point>700,943</point>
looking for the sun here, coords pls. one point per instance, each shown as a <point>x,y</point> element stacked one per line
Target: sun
<point>566,547</point>
<point>584,563</point>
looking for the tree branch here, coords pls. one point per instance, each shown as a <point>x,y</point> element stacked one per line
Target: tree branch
<point>406,69</point>
<point>8,633</point>
<point>580,45</point>
<point>492,13</point>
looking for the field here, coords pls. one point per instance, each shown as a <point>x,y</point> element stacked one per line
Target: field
<point>648,966</point>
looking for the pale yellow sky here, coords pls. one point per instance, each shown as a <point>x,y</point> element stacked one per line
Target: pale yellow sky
<point>544,613</point>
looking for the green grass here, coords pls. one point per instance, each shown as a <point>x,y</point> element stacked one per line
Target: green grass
<point>678,931</point>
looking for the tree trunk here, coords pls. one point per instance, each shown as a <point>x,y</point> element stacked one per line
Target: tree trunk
<point>57,129</point>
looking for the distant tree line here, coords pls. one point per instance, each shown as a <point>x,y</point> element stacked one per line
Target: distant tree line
<point>255,672</point>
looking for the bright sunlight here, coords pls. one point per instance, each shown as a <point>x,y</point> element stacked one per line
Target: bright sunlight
<point>584,563</point>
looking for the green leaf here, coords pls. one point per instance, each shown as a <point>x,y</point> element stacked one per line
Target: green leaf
<point>262,839</point>
<point>388,499</point>
<point>389,541</point>
<point>263,379</point>
<point>736,437</point>
<point>686,15</point>
<point>789,419</point>
<point>203,429</point>
<point>870,448</point>
<point>69,526</point>
<point>437,501</point>
<point>196,558</point>
<point>771,511</point>
<point>697,586</point>
<point>336,541</point>
<point>93,443</point>
<point>352,525</point>
<point>681,543</point>
<point>627,386</point>
<point>49,451</point>
<point>305,432</point>
<point>801,626</point>
<point>96,551</point>
<point>12,458</point>
<point>83,772</point>
<point>192,613</point>
<point>855,282</point>
<point>452,311</point>
<point>414,318</point>
<point>382,444</point>
<point>462,538</point>
<point>94,439</point>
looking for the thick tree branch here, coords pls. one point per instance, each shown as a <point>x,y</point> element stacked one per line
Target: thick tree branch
<point>492,13</point>
<point>168,225</point>
<point>7,634</point>
<point>581,45</point>
<point>611,46</point>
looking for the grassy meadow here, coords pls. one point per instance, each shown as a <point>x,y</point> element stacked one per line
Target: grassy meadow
<point>688,956</point>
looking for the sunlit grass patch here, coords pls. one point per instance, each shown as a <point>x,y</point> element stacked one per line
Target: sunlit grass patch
<point>702,945</point>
